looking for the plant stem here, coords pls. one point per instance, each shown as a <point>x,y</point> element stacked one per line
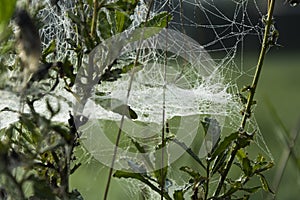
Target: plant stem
<point>126,103</point>
<point>264,48</point>
<point>113,158</point>
<point>247,112</point>
<point>94,19</point>
<point>208,178</point>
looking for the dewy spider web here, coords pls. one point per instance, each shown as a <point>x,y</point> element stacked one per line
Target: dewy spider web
<point>196,86</point>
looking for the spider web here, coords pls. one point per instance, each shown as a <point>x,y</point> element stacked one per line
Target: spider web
<point>200,81</point>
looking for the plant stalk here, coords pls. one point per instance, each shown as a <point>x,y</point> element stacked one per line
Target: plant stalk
<point>122,119</point>
<point>265,46</point>
<point>94,19</point>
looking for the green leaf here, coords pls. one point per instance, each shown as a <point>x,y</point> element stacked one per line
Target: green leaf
<point>127,6</point>
<point>111,75</point>
<point>260,167</point>
<point>265,184</point>
<point>219,163</point>
<point>144,33</point>
<point>51,48</point>
<point>189,151</point>
<point>62,131</point>
<point>7,45</point>
<point>160,20</point>
<point>244,139</point>
<point>235,186</point>
<point>90,2</point>
<point>104,26</point>
<point>247,168</point>
<point>67,70</point>
<point>251,190</point>
<point>178,195</point>
<point>224,144</point>
<point>137,176</point>
<point>27,122</point>
<point>75,18</point>
<point>122,21</point>
<point>42,190</point>
<point>7,8</point>
<point>130,66</point>
<point>190,171</point>
<point>125,110</point>
<point>245,162</point>
<point>115,105</point>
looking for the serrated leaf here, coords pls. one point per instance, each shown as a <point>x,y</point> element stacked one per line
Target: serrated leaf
<point>189,151</point>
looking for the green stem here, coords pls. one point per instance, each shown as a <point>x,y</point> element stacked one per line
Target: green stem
<point>247,113</point>
<point>122,119</point>
<point>264,48</point>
